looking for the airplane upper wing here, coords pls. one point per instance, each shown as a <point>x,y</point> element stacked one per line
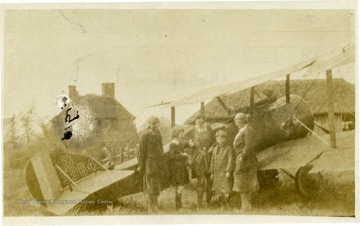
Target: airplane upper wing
<point>335,59</point>
<point>211,92</point>
<point>314,65</point>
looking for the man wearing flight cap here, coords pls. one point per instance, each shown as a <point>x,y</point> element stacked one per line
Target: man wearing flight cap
<point>150,160</point>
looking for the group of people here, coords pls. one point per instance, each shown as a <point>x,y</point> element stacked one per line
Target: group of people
<point>220,165</point>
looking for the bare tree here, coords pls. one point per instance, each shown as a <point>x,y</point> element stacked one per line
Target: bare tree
<point>49,136</point>
<point>13,132</point>
<point>27,121</point>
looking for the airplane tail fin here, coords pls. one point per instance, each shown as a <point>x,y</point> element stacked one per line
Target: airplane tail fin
<point>42,179</point>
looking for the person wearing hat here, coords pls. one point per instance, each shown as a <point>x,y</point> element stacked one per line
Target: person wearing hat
<point>150,158</point>
<point>177,164</point>
<point>221,168</point>
<point>245,175</point>
<point>203,134</point>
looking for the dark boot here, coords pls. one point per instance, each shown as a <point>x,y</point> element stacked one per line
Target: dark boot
<point>178,201</point>
<point>152,204</point>
<point>208,197</point>
<point>226,202</point>
<point>222,202</point>
<point>208,190</point>
<point>155,203</point>
<point>150,208</point>
<point>200,200</point>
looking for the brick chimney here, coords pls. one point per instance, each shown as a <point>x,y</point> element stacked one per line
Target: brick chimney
<point>108,90</point>
<point>72,92</point>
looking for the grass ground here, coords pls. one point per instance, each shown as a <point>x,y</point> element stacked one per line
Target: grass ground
<point>15,187</point>
<point>335,199</point>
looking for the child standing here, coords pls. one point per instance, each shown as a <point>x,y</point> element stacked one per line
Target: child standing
<point>177,164</point>
<point>222,167</point>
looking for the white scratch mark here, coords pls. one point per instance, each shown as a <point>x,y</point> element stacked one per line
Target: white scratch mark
<point>77,63</point>
<point>74,24</point>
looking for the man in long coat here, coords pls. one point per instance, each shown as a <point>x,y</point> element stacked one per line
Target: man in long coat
<point>151,158</point>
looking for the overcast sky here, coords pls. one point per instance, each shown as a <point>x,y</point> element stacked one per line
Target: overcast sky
<point>155,55</point>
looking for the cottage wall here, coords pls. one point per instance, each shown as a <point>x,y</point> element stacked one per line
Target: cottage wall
<point>323,120</point>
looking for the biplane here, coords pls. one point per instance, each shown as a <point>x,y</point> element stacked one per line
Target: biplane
<point>284,126</point>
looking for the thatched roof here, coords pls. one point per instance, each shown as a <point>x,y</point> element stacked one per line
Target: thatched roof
<point>101,119</point>
<point>343,92</point>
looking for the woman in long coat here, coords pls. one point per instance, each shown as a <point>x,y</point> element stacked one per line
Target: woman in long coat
<point>245,175</point>
<point>222,167</point>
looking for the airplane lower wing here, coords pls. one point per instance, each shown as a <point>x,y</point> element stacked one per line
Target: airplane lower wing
<point>86,190</point>
<point>340,159</point>
<point>60,187</point>
<point>308,160</point>
<point>128,165</point>
<point>294,154</point>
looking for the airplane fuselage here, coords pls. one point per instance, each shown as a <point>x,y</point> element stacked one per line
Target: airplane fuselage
<point>278,121</point>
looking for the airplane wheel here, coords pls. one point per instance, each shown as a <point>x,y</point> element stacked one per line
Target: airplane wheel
<point>308,184</point>
<point>267,178</point>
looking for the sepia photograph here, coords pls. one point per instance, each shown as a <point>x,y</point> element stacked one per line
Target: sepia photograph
<point>188,110</point>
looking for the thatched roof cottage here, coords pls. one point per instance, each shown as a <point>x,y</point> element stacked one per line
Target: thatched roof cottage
<point>103,121</point>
